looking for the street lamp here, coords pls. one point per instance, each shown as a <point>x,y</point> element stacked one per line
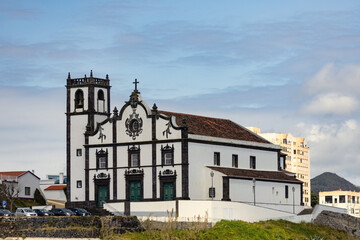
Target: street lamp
<point>254,181</point>
<point>212,190</point>
<point>293,190</point>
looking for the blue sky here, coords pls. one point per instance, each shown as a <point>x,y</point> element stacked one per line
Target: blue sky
<point>283,66</point>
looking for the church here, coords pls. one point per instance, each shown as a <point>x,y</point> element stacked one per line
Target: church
<point>135,153</point>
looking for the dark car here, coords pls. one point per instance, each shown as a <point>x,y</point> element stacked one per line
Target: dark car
<point>80,212</point>
<point>43,212</point>
<point>6,213</point>
<point>62,212</point>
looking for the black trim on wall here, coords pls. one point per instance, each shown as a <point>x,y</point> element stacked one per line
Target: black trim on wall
<point>188,140</point>
<point>87,155</point>
<point>185,163</point>
<point>302,195</point>
<point>68,146</point>
<point>114,162</point>
<point>153,146</point>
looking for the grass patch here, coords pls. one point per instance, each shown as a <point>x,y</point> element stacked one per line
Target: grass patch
<point>233,230</point>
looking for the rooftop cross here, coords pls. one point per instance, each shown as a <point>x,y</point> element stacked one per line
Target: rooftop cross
<point>136,83</point>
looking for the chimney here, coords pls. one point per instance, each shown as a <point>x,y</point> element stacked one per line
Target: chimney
<point>61,178</point>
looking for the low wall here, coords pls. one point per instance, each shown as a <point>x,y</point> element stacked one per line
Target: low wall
<point>188,210</point>
<point>66,227</point>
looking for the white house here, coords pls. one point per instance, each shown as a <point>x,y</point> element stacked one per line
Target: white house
<point>52,189</point>
<point>23,182</point>
<point>137,153</point>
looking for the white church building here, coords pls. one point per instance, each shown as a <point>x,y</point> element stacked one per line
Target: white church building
<point>140,154</point>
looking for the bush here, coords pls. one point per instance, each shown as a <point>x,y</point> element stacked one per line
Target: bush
<point>39,198</point>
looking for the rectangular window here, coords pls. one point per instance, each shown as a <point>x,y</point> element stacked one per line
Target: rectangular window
<point>101,159</point>
<point>134,156</point>
<point>235,160</point>
<point>284,141</point>
<point>328,199</point>
<point>167,155</point>
<point>79,184</point>
<point>353,199</point>
<point>335,200</point>
<point>27,191</point>
<point>78,152</point>
<point>286,191</point>
<point>102,162</point>
<point>342,199</point>
<point>216,158</point>
<point>168,158</point>
<point>252,162</point>
<point>135,161</point>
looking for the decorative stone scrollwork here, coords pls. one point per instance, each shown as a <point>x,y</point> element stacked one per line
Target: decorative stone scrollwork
<point>167,172</point>
<point>167,130</point>
<point>102,176</point>
<point>134,171</point>
<point>134,125</point>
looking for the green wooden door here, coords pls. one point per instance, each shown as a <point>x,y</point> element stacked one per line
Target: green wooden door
<point>168,191</point>
<point>135,191</point>
<point>103,192</point>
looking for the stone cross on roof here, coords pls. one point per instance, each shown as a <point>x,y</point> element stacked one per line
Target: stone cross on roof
<point>136,83</point>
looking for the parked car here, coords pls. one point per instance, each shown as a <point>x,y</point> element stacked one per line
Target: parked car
<point>80,212</point>
<point>27,212</point>
<point>43,212</point>
<point>62,212</point>
<point>6,213</point>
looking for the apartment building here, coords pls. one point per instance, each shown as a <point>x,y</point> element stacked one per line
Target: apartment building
<point>297,157</point>
<point>349,200</point>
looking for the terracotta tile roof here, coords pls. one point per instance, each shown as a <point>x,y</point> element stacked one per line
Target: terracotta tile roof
<point>257,174</point>
<point>13,173</point>
<point>55,187</point>
<point>215,127</point>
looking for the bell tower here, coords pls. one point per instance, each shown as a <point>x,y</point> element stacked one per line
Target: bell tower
<point>87,102</point>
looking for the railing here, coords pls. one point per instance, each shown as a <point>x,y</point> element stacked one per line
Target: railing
<point>88,80</point>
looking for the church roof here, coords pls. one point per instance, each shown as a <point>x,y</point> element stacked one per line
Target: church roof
<point>215,127</point>
<point>258,175</point>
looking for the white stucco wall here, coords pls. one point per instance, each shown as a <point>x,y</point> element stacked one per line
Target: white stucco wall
<point>267,194</point>
<point>28,180</point>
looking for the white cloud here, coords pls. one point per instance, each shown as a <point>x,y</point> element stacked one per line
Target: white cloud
<point>332,103</point>
<point>332,78</point>
<point>334,148</point>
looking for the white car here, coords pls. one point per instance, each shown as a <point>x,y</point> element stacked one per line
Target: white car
<point>27,212</point>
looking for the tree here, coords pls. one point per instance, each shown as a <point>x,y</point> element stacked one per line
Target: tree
<point>39,198</point>
<point>314,199</point>
<point>9,190</point>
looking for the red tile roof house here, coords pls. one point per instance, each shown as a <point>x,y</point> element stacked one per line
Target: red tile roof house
<point>55,195</point>
<point>26,182</point>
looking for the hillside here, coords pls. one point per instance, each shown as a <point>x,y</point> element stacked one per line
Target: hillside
<point>329,182</point>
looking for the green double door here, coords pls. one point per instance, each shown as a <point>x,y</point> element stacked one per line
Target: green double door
<point>135,191</point>
<point>103,193</point>
<point>168,191</point>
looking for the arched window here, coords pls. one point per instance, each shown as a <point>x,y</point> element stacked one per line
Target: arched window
<point>101,95</point>
<point>79,99</point>
<point>100,101</point>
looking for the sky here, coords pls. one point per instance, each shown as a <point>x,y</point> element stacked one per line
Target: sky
<point>282,66</point>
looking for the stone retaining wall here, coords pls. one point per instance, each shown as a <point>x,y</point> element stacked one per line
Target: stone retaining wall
<point>66,227</point>
<point>339,221</point>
